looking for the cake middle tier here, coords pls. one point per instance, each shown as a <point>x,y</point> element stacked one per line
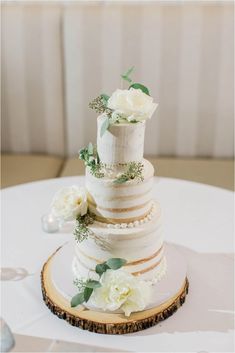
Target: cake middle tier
<point>120,203</point>
<point>141,245</point>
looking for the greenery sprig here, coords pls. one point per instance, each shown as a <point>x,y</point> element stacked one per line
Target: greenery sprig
<point>134,171</point>
<point>99,104</point>
<point>85,292</point>
<point>126,77</point>
<point>82,231</point>
<point>86,287</point>
<point>91,159</point>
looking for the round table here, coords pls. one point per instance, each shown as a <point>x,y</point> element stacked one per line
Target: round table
<point>198,219</point>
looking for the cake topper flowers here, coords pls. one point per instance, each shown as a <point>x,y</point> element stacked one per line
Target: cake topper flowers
<point>132,105</point>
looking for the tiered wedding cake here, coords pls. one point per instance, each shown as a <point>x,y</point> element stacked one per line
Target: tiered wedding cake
<point>119,251</point>
<point>128,223</point>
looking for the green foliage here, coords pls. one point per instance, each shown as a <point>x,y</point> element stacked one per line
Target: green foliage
<point>77,299</point>
<point>126,75</point>
<point>104,126</point>
<point>121,179</point>
<point>86,288</point>
<point>82,230</point>
<point>80,284</point>
<point>140,86</point>
<point>93,284</point>
<point>91,159</point>
<point>98,104</point>
<point>134,171</point>
<point>113,264</point>
<point>101,268</point>
<point>87,293</point>
<point>105,98</point>
<point>90,149</point>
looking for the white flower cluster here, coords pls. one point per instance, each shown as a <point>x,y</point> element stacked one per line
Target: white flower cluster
<point>121,290</point>
<point>131,104</point>
<point>70,202</point>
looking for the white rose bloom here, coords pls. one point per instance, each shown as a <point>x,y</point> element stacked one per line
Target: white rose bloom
<point>69,202</point>
<point>132,103</point>
<point>121,290</point>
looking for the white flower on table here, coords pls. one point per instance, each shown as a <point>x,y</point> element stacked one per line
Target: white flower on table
<point>133,104</point>
<point>121,290</point>
<point>70,202</point>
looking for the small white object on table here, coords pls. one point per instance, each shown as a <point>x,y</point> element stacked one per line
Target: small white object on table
<point>50,223</point>
<point>198,218</point>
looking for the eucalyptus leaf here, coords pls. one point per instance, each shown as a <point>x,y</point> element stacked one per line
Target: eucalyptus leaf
<point>116,263</point>
<point>93,284</point>
<point>105,98</point>
<point>126,78</point>
<point>126,75</point>
<point>77,299</point>
<point>121,180</point>
<point>140,86</point>
<point>98,158</point>
<point>90,148</point>
<point>87,293</point>
<point>101,268</point>
<point>129,71</point>
<point>104,126</point>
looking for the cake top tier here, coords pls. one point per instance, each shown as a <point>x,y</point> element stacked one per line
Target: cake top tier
<point>121,143</point>
<point>121,123</point>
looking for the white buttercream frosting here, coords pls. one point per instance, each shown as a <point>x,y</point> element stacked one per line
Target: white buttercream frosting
<point>121,202</point>
<point>121,143</point>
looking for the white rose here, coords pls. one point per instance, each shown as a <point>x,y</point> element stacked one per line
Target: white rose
<point>69,202</point>
<point>132,103</point>
<point>121,290</point>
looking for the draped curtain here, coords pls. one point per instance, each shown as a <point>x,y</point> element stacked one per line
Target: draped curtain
<point>57,57</point>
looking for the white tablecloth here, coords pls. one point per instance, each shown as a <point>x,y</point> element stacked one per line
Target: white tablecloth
<point>198,218</point>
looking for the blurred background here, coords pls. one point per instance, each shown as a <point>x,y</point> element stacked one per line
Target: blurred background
<point>58,55</point>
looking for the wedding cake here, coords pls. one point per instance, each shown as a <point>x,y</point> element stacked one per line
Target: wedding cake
<point>119,248</point>
<point>128,222</point>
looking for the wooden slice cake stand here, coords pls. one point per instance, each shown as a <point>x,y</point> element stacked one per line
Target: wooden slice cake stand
<point>170,295</point>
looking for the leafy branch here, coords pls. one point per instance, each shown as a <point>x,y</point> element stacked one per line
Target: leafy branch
<point>85,292</point>
<point>91,159</point>
<point>86,288</point>
<point>134,171</point>
<point>82,231</point>
<point>99,104</point>
<point>126,75</point>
